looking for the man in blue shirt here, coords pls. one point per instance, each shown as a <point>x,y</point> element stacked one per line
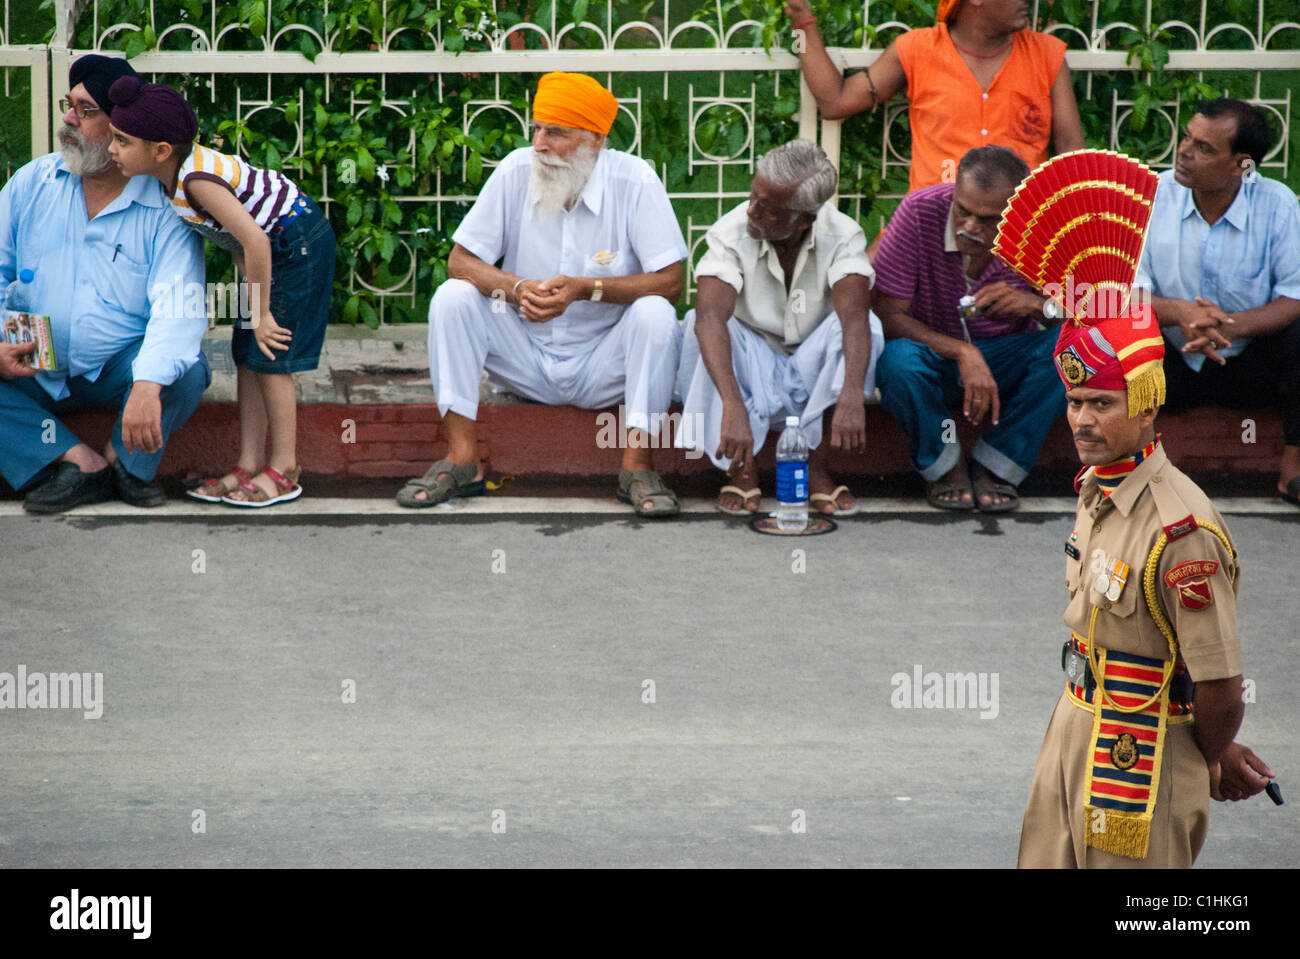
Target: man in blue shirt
<point>121,278</point>
<point>1223,265</point>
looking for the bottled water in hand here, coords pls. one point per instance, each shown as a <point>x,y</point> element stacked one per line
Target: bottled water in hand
<point>792,478</point>
<point>18,296</point>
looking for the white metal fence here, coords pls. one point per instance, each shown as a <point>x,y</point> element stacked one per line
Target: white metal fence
<point>719,59</point>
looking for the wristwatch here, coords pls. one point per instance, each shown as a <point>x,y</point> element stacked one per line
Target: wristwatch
<point>597,290</point>
<point>1052,310</point>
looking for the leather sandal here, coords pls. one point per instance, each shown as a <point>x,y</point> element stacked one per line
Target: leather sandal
<point>443,480</point>
<point>212,490</point>
<point>635,488</point>
<point>938,489</point>
<point>985,483</point>
<point>286,488</point>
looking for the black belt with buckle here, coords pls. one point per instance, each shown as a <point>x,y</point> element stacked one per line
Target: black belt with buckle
<point>1078,671</point>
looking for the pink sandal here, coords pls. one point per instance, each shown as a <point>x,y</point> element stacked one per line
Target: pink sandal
<point>286,485</point>
<point>212,490</point>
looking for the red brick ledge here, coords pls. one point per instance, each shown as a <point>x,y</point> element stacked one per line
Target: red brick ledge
<point>400,440</point>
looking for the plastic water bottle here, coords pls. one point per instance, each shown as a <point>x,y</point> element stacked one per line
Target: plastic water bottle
<point>18,296</point>
<point>792,478</point>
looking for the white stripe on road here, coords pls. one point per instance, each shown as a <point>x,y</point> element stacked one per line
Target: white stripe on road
<point>569,506</point>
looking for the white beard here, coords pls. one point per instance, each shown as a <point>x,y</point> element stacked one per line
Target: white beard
<point>82,157</point>
<point>558,183</point>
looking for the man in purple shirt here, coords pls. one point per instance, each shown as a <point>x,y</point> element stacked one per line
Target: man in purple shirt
<point>995,359</point>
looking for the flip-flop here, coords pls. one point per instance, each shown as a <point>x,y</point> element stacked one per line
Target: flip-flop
<point>1292,492</point>
<point>996,486</point>
<point>745,495</point>
<point>832,497</point>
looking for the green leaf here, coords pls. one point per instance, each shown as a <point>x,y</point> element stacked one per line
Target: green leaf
<point>365,164</point>
<point>1141,109</point>
<point>351,308</point>
<point>580,11</point>
<point>474,168</point>
<point>369,315</point>
<point>272,158</point>
<point>354,212</point>
<point>388,246</point>
<point>1159,54</point>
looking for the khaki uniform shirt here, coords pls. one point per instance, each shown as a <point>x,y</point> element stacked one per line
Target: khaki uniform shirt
<point>1194,582</point>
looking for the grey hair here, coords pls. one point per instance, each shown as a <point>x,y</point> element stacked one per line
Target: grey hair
<point>802,165</point>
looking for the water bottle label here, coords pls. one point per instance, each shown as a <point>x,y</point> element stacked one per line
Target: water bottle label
<point>792,481</point>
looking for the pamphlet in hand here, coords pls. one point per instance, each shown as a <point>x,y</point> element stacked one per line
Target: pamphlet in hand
<point>31,328</point>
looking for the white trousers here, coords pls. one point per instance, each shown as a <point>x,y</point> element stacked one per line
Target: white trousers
<point>773,385</point>
<point>634,361</point>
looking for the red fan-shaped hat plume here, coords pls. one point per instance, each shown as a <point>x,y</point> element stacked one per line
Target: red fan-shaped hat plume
<point>1075,229</point>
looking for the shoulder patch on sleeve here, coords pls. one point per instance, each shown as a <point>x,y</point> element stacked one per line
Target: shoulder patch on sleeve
<point>1191,569</point>
<point>1181,528</point>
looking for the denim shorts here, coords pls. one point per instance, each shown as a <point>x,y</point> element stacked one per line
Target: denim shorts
<point>302,281</point>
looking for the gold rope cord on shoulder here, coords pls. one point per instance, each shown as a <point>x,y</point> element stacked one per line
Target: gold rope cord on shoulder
<point>1157,614</point>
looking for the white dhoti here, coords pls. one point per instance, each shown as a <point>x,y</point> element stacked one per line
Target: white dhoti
<point>634,361</point>
<point>773,385</point>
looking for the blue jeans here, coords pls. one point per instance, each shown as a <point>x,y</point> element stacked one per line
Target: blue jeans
<point>918,386</point>
<point>31,439</point>
<point>302,282</point>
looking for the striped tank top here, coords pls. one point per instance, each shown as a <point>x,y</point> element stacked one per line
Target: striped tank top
<point>265,194</point>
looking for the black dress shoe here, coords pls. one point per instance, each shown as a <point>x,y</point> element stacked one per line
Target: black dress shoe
<point>69,487</point>
<point>134,491</point>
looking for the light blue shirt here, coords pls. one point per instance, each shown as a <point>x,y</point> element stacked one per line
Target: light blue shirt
<point>1248,258</point>
<point>133,273</point>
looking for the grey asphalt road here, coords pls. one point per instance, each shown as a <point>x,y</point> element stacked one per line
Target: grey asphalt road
<point>500,717</point>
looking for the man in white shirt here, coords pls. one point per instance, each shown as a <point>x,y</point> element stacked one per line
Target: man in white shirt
<point>780,328</point>
<point>580,309</point>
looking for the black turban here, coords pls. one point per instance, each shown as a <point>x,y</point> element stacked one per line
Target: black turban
<point>97,74</point>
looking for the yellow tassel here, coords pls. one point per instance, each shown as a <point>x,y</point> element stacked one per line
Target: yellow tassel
<point>1146,390</point>
<point>1123,833</point>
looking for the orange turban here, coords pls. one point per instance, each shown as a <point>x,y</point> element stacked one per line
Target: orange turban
<point>946,10</point>
<point>574,100</point>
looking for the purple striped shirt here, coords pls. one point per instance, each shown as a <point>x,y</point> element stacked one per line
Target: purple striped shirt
<point>913,264</point>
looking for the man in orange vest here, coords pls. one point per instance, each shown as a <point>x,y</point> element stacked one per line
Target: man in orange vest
<point>977,77</point>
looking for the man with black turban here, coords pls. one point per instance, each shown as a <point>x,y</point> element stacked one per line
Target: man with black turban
<point>121,279</point>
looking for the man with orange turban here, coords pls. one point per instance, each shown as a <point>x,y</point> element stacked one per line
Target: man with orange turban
<point>977,77</point>
<point>563,280</point>
<point>1142,735</point>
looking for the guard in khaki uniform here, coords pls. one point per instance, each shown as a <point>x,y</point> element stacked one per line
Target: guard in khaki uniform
<point>1134,750</point>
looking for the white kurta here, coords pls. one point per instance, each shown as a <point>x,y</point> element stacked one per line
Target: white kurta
<point>594,354</point>
<point>786,347</point>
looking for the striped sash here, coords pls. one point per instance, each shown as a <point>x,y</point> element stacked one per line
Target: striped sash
<point>1124,768</point>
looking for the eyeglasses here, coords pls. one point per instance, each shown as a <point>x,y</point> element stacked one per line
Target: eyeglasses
<point>83,111</point>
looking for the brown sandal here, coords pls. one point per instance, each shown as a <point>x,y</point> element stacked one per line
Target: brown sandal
<point>286,485</point>
<point>212,490</point>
